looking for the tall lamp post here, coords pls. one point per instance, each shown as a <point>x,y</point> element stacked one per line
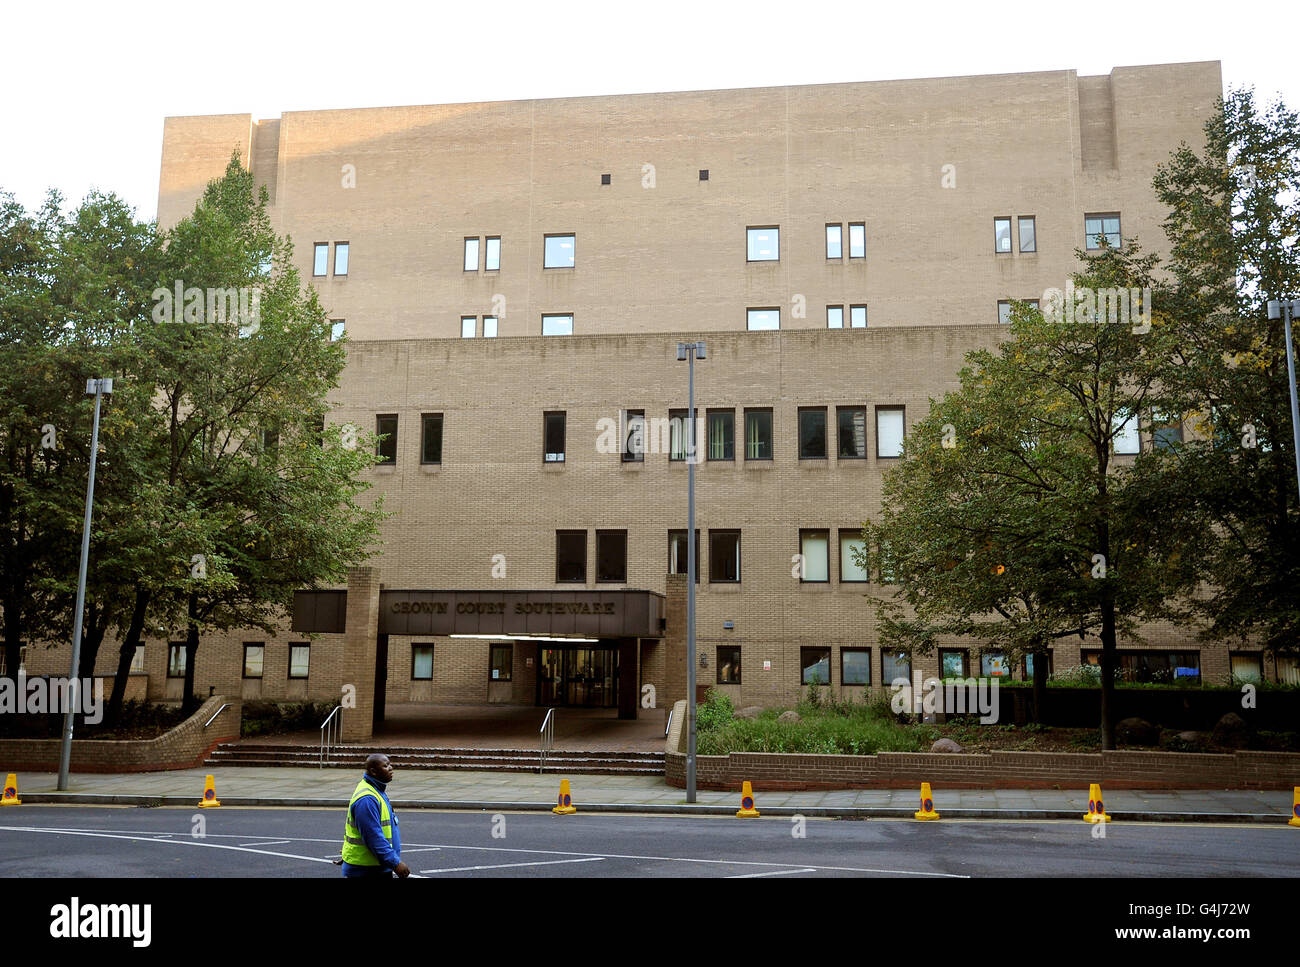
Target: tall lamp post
<point>100,387</point>
<point>690,351</point>
<point>1284,308</point>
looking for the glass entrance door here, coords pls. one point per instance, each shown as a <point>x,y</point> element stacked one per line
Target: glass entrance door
<point>583,676</point>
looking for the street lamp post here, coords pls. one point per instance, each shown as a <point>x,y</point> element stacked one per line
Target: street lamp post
<point>690,351</point>
<point>1284,308</point>
<point>100,387</point>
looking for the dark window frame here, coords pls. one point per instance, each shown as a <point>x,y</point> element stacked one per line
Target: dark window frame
<point>1102,216</point>
<point>417,646</point>
<point>854,308</point>
<point>839,226</point>
<point>1011,238</point>
<point>886,408</point>
<point>570,533</point>
<point>803,664</point>
<point>611,533</point>
<point>829,309</point>
<point>803,569</point>
<point>776,309</point>
<point>486,248</point>
<point>672,539</point>
<point>172,646</point>
<point>763,228</point>
<point>425,419</point>
<point>478,252</point>
<point>840,411</point>
<point>569,235</point>
<point>855,649</point>
<point>244,668</point>
<point>315,251</point>
<point>863,226</point>
<point>1020,232</point>
<point>573,323</point>
<point>347,259</point>
<point>965,662</point>
<point>771,431</point>
<point>547,452</point>
<point>289,667</point>
<point>802,441</point>
<point>716,559</point>
<point>856,533</point>
<point>625,432</point>
<point>391,440</point>
<point>730,448</point>
<point>736,664</point>
<point>509,647</point>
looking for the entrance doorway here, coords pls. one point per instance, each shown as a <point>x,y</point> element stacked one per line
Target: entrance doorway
<point>583,675</point>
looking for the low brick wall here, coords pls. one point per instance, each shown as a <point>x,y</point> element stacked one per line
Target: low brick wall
<point>182,747</point>
<point>997,770</point>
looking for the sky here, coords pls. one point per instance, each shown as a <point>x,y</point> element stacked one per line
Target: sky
<point>86,86</point>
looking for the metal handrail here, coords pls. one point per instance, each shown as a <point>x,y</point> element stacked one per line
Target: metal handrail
<point>330,738</point>
<point>546,738</point>
<point>215,714</point>
<point>669,727</point>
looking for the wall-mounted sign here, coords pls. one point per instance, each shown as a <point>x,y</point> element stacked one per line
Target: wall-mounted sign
<point>767,665</point>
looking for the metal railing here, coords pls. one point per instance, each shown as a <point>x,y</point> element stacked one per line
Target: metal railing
<point>331,732</point>
<point>669,727</point>
<point>215,714</point>
<point>546,738</point>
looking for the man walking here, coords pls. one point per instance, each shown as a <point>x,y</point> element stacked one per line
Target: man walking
<point>372,845</point>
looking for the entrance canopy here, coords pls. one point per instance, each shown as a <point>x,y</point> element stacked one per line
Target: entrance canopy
<point>587,614</point>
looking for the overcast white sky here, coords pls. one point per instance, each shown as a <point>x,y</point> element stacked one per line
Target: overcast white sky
<point>86,85</point>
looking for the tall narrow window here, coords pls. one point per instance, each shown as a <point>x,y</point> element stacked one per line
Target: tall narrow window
<point>677,553</point>
<point>1002,234</point>
<point>1126,439</point>
<point>341,258</point>
<point>1004,311</point>
<point>758,434</point>
<point>852,426</point>
<point>889,431</point>
<point>471,255</point>
<point>857,240</point>
<point>814,548</point>
<point>337,328</point>
<point>855,666</point>
<point>895,666</point>
<point>492,255</point>
<point>834,317</point>
<point>489,327</point>
<point>763,244</point>
<point>611,556</point>
<point>501,660</point>
<point>722,432</point>
<point>299,659</point>
<point>554,433</point>
<point>1028,233</point>
<point>386,429</point>
<point>176,659</point>
<point>858,317</point>
<point>834,241</point>
<point>468,324</point>
<point>254,658</point>
<point>812,433</point>
<point>851,545</point>
<point>422,662</point>
<point>557,325</point>
<point>724,557</point>
<point>633,436</point>
<point>757,319</point>
<point>570,557</point>
<point>1166,431</point>
<point>320,264</point>
<point>431,438</point>
<point>559,252</point>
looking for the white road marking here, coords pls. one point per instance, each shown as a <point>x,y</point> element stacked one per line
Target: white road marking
<point>502,866</point>
<point>274,842</point>
<point>750,876</point>
<point>155,839</point>
<point>419,849</point>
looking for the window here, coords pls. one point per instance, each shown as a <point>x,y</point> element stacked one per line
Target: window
<point>763,244</point>
<point>137,661</point>
<point>501,661</point>
<point>889,431</point>
<point>1002,234</point>
<point>677,434</point>
<point>1004,311</point>
<point>758,434</point>
<point>758,319</point>
<point>254,655</point>
<point>704,174</point>
<point>386,429</point>
<point>558,253</point>
<point>1246,667</point>
<point>1027,666</point>
<point>1028,233</point>
<point>556,325</point>
<point>678,551</point>
<point>431,438</point>
<point>611,556</point>
<point>994,664</point>
<point>852,426</point>
<point>321,259</point>
<point>722,434</point>
<point>176,659</point>
<point>468,326</point>
<point>337,328</point>
<point>1166,667</point>
<point>855,666</point>
<point>493,254</point>
<point>728,665</point>
<point>489,327</point>
<point>814,546</point>
<point>952,663</point>
<point>570,557</point>
<point>633,436</point>
<point>834,317</point>
<point>1287,669</point>
<point>471,255</point>
<point>341,258</point>
<point>816,666</point>
<point>724,557</point>
<point>421,663</point>
<point>812,433</point>
<point>835,241</point>
<point>553,437</point>
<point>1098,227</point>
<point>895,665</point>
<point>1126,439</point>
<point>299,659</point>
<point>605,179</point>
<point>1166,431</point>
<point>850,571</point>
<point>857,317</point>
<point>857,240</point>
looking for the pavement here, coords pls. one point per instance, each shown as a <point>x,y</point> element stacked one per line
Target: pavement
<point>456,789</point>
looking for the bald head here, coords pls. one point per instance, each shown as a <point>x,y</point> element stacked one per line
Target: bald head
<point>378,767</point>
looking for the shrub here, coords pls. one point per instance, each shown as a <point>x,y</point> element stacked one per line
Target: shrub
<point>715,713</point>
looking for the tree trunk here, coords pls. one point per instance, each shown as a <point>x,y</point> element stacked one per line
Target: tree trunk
<point>127,653</point>
<point>1040,685</point>
<point>13,648</point>
<point>92,636</point>
<point>1108,657</point>
<point>190,703</point>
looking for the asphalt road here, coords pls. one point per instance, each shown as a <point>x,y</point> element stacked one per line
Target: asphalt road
<point>107,841</point>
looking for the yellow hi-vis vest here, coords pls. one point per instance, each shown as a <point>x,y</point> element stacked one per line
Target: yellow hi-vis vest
<point>355,851</point>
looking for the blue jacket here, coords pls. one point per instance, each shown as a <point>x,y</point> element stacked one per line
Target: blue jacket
<point>365,814</point>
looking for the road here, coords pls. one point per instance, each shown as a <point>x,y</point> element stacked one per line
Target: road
<point>107,841</point>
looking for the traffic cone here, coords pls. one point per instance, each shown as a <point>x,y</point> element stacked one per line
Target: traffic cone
<point>564,804</point>
<point>1293,821</point>
<point>747,801</point>
<point>209,793</point>
<point>1096,808</point>
<point>11,791</point>
<point>927,804</point>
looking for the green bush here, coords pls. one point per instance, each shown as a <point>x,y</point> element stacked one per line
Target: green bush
<point>714,714</point>
<point>274,718</point>
<point>848,729</point>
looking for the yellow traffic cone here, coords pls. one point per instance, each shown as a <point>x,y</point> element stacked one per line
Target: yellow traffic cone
<point>747,801</point>
<point>11,791</point>
<point>1293,821</point>
<point>209,793</point>
<point>927,804</point>
<point>564,804</point>
<point>1096,808</point>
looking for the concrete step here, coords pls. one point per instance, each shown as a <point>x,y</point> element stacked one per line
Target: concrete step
<point>591,762</point>
<point>400,750</point>
<point>575,767</point>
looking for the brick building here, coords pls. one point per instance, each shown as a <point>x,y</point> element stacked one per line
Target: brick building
<point>514,279</point>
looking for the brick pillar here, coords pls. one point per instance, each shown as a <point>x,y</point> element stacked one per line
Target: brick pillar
<point>359,652</point>
<point>674,641</point>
